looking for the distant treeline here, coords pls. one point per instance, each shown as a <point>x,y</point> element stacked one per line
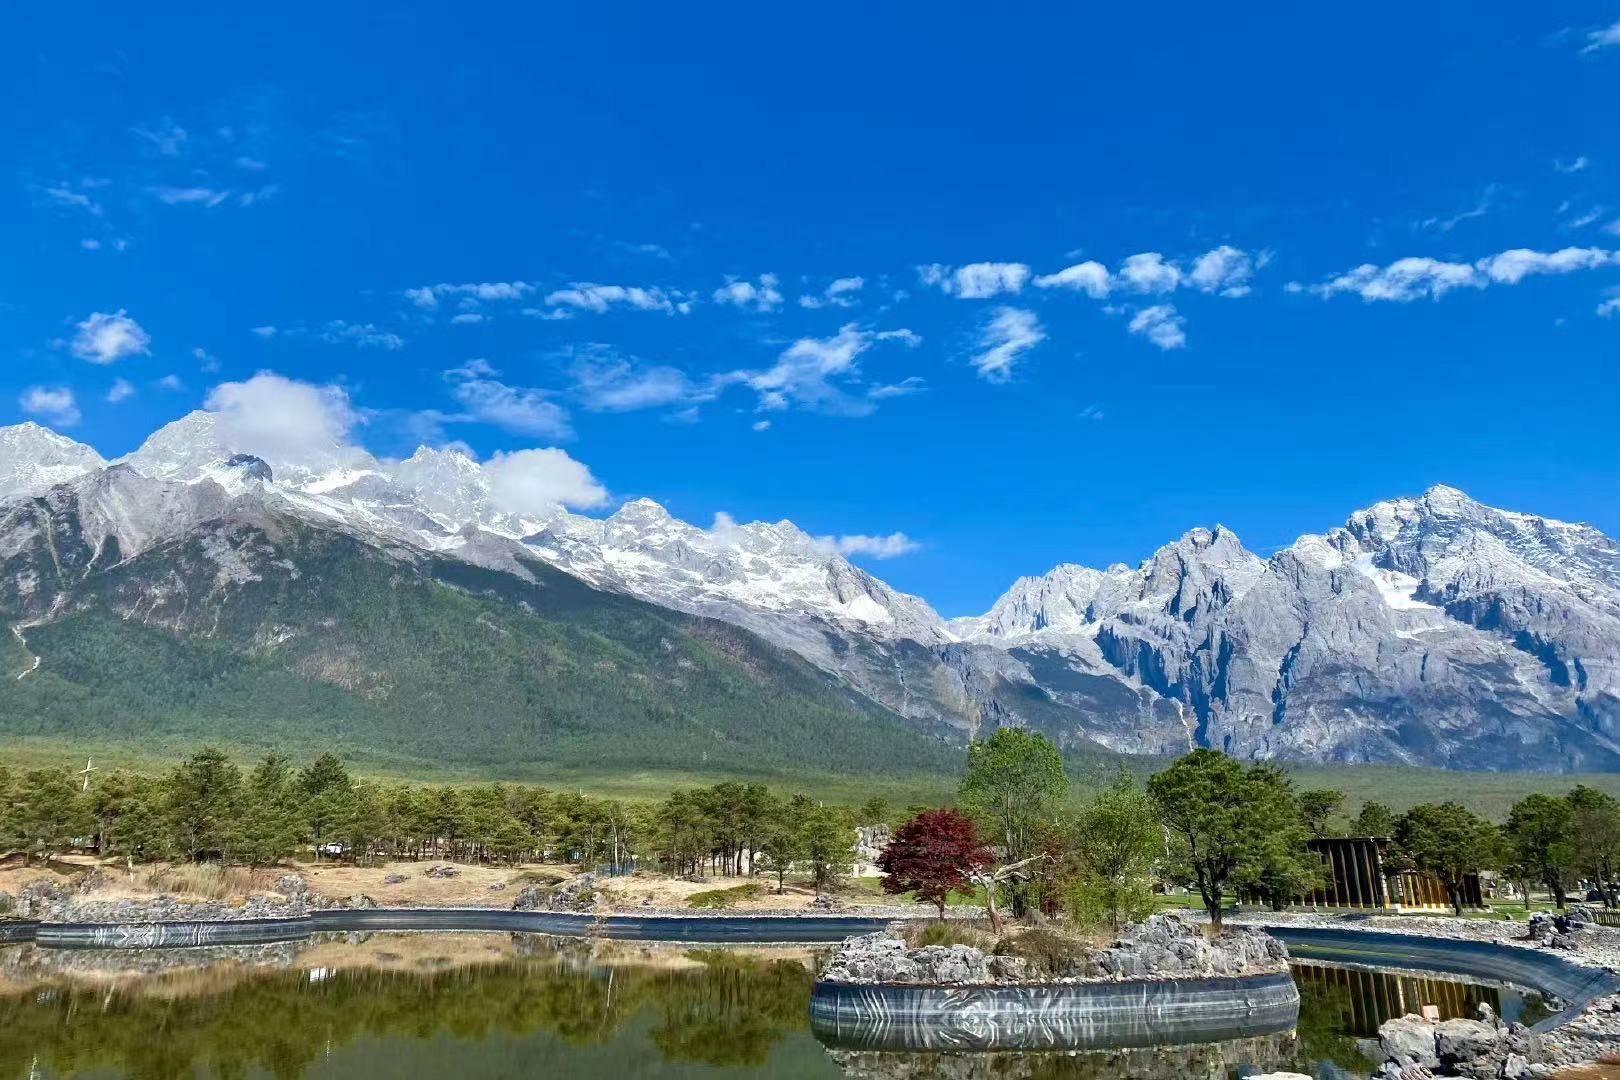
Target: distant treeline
<point>207,808</point>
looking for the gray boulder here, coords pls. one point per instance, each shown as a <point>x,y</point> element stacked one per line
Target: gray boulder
<point>1408,1040</point>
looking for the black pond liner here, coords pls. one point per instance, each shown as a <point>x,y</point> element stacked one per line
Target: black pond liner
<point>1573,985</point>
<point>1053,1016</point>
<point>13,931</point>
<point>752,930</point>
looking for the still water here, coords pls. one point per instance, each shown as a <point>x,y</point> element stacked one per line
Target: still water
<point>503,1005</point>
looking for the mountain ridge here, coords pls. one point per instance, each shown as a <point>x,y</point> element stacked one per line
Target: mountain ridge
<point>1426,630</point>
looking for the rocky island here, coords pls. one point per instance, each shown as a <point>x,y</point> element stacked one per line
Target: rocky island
<point>1164,982</point>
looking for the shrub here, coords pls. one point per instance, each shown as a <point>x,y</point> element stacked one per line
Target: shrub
<point>1049,952</point>
<point>210,881</point>
<point>539,877</point>
<point>947,933</point>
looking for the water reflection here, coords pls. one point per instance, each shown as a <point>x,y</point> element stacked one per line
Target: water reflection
<point>488,1005</point>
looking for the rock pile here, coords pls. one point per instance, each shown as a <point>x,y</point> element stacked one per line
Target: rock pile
<point>1162,947</point>
<point>578,894</point>
<point>1566,931</point>
<point>1483,1049</point>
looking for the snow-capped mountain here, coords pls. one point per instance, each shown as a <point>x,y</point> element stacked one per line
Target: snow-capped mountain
<point>1428,630</point>
<point>33,459</point>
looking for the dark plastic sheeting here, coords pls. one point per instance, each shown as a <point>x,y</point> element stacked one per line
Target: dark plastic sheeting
<point>1574,985</point>
<point>1056,1016</point>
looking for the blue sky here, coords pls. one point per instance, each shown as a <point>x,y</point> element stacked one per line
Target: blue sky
<point>1024,287</point>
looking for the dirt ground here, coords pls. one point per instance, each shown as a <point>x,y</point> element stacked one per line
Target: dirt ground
<point>472,886</point>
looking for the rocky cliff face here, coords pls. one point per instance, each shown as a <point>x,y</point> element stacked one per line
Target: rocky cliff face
<point>1430,630</point>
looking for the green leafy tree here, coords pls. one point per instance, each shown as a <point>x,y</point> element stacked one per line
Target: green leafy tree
<point>1449,841</point>
<point>1014,786</point>
<point>782,840</point>
<point>50,812</point>
<point>267,828</point>
<point>1374,819</point>
<point>1319,806</point>
<point>1597,837</point>
<point>201,805</point>
<point>1228,825</point>
<point>829,846</point>
<point>1113,843</point>
<point>1540,833</point>
<point>326,797</point>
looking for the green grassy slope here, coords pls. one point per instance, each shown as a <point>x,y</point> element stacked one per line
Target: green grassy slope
<point>411,664</point>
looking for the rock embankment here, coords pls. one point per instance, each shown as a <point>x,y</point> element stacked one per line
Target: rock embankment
<point>53,902</point>
<point>1485,1049</point>
<point>1162,947</point>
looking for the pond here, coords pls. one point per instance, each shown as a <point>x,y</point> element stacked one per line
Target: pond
<point>505,1005</point>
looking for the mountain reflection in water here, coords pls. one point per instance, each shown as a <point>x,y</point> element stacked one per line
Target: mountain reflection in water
<point>488,1005</point>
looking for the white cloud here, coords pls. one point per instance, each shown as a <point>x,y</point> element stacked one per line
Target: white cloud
<point>264,332</point>
<point>170,382</point>
<point>106,339</point>
<point>1092,412</point>
<point>282,419</point>
<point>1161,325</point>
<point>764,296</point>
<point>1417,277</point>
<point>1512,267</point>
<point>1402,280</point>
<point>190,196</point>
<point>55,403</point>
<point>762,425</point>
<point>1574,165</point>
<point>1602,39</point>
<point>838,294</point>
<point>873,547</point>
<point>1225,270</point>
<point>535,482</point>
<point>360,335</point>
<point>121,390</point>
<point>521,410</point>
<point>466,318</point>
<point>976,281</point>
<point>1611,306</point>
<point>427,296</point>
<point>1009,332</point>
<point>814,373</point>
<point>165,136</point>
<point>1089,277</point>
<point>66,195</point>
<point>599,298</point>
<point>607,383</point>
<point>1148,272</point>
<point>205,360</point>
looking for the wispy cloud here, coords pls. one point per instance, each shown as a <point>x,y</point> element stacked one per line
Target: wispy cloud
<point>54,403</point>
<point>1420,277</point>
<point>1089,277</point>
<point>360,335</point>
<point>762,295</point>
<point>606,382</point>
<point>427,297</point>
<point>1006,335</point>
<point>891,546</point>
<point>820,374</point>
<point>105,339</point>
<point>121,390</point>
<point>1161,325</point>
<point>189,196</point>
<point>587,296</point>
<point>1573,165</point>
<point>976,281</point>
<point>1603,38</point>
<point>841,293</point>
<point>521,410</point>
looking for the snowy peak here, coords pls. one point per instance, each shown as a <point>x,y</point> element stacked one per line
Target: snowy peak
<point>33,459</point>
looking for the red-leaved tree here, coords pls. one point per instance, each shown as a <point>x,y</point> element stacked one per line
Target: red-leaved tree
<point>934,854</point>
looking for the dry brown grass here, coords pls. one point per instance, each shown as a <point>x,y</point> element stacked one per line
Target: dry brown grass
<point>207,881</point>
